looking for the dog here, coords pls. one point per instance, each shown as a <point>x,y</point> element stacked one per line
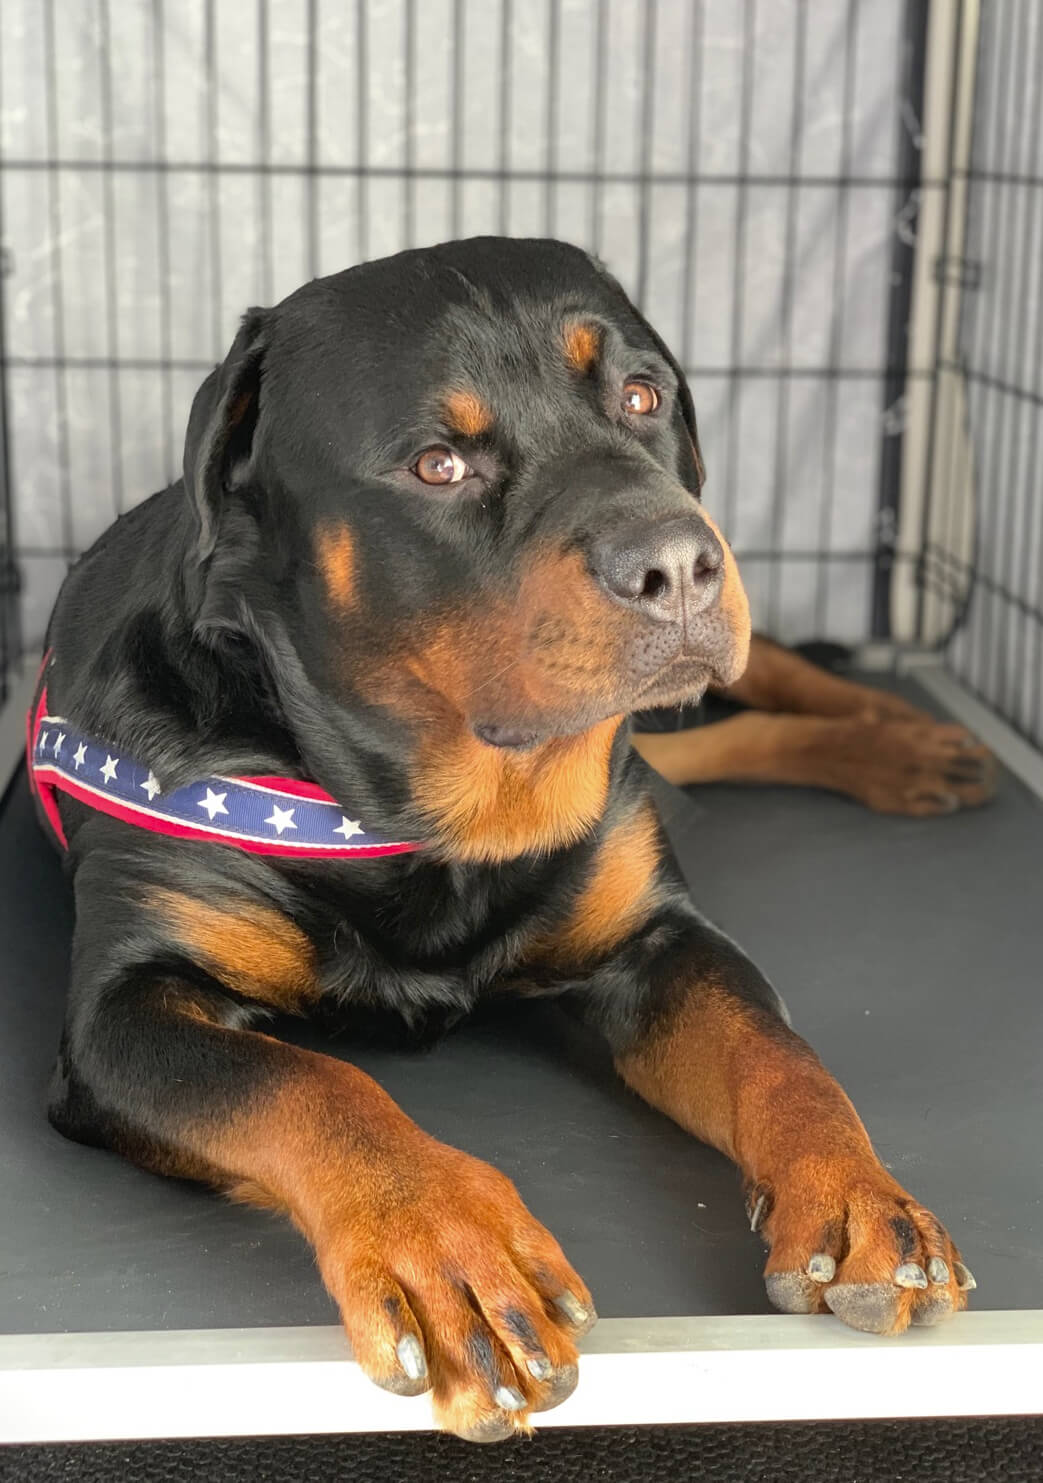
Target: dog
<point>339,722</point>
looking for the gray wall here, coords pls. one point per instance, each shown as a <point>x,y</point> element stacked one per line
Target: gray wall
<point>731,161</point>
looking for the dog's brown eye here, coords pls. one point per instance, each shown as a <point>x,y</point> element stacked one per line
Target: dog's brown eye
<point>639,398</point>
<point>440,466</point>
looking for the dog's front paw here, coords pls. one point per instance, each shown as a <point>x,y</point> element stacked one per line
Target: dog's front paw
<point>446,1283</point>
<point>919,768</point>
<point>848,1238</point>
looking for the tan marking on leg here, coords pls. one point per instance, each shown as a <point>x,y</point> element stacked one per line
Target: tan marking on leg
<point>776,679</point>
<point>256,951</point>
<point>413,1239</point>
<point>616,898</point>
<point>891,767</point>
<point>735,1076</point>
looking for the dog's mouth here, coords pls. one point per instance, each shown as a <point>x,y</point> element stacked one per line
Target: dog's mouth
<point>508,738</point>
<point>682,682</point>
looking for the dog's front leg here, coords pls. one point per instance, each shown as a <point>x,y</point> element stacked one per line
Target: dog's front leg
<point>444,1279</point>
<point>699,1033</point>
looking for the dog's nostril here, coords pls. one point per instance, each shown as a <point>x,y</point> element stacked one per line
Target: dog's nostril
<point>655,583</point>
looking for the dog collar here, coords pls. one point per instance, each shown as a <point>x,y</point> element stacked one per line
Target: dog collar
<point>261,815</point>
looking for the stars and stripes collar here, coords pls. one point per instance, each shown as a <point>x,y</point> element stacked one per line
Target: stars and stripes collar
<point>262,815</point>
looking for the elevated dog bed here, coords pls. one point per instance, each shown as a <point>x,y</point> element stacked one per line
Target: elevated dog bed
<point>909,954</point>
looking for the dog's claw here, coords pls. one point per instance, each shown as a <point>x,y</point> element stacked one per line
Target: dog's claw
<point>578,1314</point>
<point>509,1399</point>
<point>411,1357</point>
<point>822,1267</point>
<point>910,1274</point>
<point>964,1277</point>
<point>938,1270</point>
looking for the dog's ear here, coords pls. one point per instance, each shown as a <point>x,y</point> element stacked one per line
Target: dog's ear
<point>221,427</point>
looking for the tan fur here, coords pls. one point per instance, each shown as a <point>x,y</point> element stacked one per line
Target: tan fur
<point>335,554</point>
<point>734,607</point>
<point>491,805</point>
<point>467,414</point>
<point>255,951</point>
<point>582,345</point>
<point>615,900</point>
<point>738,1079</point>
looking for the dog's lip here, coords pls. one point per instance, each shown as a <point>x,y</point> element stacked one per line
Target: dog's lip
<point>684,678</point>
<point>510,738</point>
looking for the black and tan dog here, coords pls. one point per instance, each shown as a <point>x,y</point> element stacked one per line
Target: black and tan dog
<point>439,534</point>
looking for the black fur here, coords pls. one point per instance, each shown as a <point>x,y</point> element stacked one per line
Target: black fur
<point>197,636</point>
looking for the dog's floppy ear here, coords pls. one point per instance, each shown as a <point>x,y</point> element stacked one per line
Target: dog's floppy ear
<point>221,426</point>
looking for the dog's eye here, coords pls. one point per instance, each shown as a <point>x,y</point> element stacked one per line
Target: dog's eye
<point>640,398</point>
<point>440,466</point>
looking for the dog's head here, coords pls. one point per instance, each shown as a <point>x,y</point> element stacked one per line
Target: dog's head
<point>471,474</point>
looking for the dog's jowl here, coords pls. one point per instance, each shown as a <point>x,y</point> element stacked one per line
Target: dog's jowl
<point>339,720</point>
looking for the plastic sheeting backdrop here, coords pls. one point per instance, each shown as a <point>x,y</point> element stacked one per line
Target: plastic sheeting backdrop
<point>750,170</point>
<point>998,651</point>
<point>167,165</point>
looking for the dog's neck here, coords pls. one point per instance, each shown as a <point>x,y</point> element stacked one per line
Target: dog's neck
<point>236,697</point>
<point>436,782</point>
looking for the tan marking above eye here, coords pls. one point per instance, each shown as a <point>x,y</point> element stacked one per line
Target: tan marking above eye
<point>441,466</point>
<point>582,343</point>
<point>640,398</point>
<point>466,414</point>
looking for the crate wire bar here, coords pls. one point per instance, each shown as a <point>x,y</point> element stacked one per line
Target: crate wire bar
<point>753,170</point>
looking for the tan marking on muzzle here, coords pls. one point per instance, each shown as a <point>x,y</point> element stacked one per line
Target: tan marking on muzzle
<point>733,605</point>
<point>335,554</point>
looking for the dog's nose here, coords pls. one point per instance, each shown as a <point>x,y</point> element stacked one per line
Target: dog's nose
<point>669,570</point>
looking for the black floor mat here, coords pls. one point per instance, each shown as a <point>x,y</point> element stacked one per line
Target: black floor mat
<point>1007,1449</point>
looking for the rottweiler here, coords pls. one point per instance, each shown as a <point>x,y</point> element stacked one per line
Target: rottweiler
<point>337,723</point>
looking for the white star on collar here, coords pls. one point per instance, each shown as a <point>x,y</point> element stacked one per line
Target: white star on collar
<point>59,739</point>
<point>150,786</point>
<point>214,803</point>
<point>348,827</point>
<point>79,757</point>
<point>282,818</point>
<point>108,771</point>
